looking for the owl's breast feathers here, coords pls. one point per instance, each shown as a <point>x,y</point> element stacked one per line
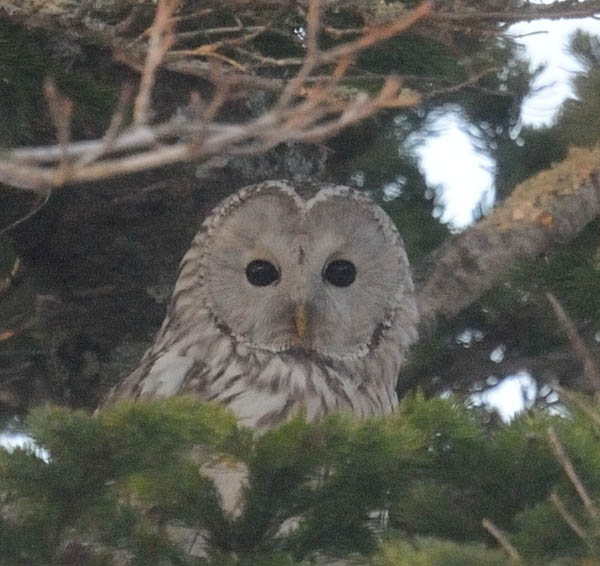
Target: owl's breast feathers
<point>263,388</point>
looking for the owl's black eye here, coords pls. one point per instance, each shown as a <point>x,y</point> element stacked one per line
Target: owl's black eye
<point>340,272</point>
<point>261,273</point>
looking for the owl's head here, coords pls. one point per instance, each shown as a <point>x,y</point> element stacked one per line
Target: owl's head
<point>326,274</point>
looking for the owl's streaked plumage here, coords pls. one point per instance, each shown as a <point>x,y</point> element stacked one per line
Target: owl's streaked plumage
<point>286,303</point>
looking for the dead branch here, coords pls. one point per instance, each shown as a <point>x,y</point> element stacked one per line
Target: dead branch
<point>311,57</point>
<point>161,39</point>
<point>533,12</point>
<point>116,123</point>
<point>61,112</point>
<point>469,82</point>
<point>40,202</point>
<point>525,13</point>
<point>583,406</point>
<point>577,344</point>
<point>7,280</point>
<point>303,113</point>
<point>377,34</point>
<point>569,469</point>
<point>37,169</point>
<point>567,517</point>
<point>501,538</point>
<point>24,168</point>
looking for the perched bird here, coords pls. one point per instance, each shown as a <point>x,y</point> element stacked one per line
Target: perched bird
<point>289,299</point>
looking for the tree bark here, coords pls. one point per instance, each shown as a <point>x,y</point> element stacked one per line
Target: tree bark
<point>546,210</point>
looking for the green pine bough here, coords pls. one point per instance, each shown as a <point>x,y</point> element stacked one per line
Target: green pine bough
<point>110,488</point>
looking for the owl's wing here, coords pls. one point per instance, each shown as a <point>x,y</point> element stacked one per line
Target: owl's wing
<point>165,376</point>
<point>158,375</point>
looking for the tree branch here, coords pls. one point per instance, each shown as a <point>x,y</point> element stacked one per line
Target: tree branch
<point>569,469</point>
<point>501,538</point>
<point>526,14</point>
<point>303,113</point>
<point>567,517</point>
<point>577,343</point>
<point>551,207</point>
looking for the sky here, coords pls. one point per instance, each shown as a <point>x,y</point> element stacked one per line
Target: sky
<point>448,159</point>
<point>465,177</point>
<point>545,42</point>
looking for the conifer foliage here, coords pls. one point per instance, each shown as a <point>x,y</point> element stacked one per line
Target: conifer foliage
<point>108,489</point>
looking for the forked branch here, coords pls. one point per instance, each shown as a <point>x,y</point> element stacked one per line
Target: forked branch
<point>304,112</point>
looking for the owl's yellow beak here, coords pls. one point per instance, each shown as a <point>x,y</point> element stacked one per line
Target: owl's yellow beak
<point>300,320</point>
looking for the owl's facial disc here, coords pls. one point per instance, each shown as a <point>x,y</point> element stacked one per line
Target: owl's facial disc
<point>325,274</point>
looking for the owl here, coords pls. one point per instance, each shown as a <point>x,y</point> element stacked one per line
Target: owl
<point>289,299</point>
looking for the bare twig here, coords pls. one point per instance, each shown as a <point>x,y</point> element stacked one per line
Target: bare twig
<point>305,112</point>
<point>501,538</point>
<point>271,61</point>
<point>579,347</point>
<point>61,112</point>
<point>567,465</point>
<point>195,15</point>
<point>40,202</point>
<point>312,54</point>
<point>568,518</point>
<point>210,51</point>
<point>579,403</point>
<point>116,123</point>
<point>211,48</point>
<point>161,38</point>
<point>223,87</point>
<point>7,280</point>
<point>472,80</point>
<point>377,34</point>
<point>250,30</point>
<point>201,69</point>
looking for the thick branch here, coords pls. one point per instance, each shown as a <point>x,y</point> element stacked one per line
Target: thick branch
<point>532,12</point>
<point>551,207</point>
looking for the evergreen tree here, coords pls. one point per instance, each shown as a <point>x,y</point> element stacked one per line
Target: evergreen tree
<point>124,481</point>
